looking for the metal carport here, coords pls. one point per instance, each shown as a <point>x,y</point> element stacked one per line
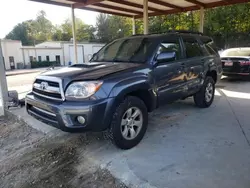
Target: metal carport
<point>140,8</point>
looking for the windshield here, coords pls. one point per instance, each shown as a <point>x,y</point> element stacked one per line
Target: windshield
<point>136,50</point>
<point>236,52</point>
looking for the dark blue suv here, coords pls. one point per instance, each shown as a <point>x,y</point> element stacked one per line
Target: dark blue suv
<point>124,81</point>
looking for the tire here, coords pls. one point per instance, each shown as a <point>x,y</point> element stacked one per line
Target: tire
<point>200,97</point>
<point>116,127</point>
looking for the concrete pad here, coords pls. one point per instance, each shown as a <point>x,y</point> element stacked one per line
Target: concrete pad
<point>184,147</point>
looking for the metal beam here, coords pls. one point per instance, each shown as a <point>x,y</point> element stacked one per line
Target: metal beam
<point>196,3</point>
<point>117,8</point>
<point>127,3</point>
<point>74,34</point>
<point>84,3</point>
<point>3,84</point>
<point>107,12</point>
<point>165,4</point>
<point>145,16</point>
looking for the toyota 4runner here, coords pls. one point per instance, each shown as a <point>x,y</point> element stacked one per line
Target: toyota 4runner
<point>124,81</point>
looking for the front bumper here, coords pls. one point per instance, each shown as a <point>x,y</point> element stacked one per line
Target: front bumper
<point>63,115</point>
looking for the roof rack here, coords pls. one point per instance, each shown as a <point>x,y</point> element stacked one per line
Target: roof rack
<point>185,31</point>
<point>173,31</point>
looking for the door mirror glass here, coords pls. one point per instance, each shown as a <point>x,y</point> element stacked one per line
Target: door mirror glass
<point>166,57</point>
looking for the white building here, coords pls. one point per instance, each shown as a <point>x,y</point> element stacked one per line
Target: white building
<point>12,53</point>
<point>18,56</point>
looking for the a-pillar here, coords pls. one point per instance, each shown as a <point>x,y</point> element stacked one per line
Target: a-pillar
<point>74,33</point>
<point>3,84</point>
<point>201,26</point>
<point>145,16</point>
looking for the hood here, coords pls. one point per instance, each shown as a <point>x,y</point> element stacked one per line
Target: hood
<point>89,71</point>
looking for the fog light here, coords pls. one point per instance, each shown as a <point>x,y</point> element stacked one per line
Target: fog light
<point>81,119</point>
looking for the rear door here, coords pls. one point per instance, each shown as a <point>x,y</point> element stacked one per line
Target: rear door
<point>194,62</point>
<point>170,76</point>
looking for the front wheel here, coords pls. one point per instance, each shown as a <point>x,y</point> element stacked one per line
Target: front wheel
<point>204,98</point>
<point>129,123</point>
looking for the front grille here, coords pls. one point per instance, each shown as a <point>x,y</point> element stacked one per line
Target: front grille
<point>49,89</point>
<point>47,94</point>
<point>53,84</point>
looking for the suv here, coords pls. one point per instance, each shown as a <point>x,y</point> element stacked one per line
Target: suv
<point>124,81</point>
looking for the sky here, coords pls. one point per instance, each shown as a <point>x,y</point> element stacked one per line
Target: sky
<point>13,12</point>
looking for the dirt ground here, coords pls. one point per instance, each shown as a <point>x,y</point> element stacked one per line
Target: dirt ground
<point>29,159</point>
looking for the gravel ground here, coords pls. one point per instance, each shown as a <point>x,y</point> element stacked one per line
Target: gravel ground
<point>29,159</point>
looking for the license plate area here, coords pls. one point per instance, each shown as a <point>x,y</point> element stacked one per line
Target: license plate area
<point>228,63</point>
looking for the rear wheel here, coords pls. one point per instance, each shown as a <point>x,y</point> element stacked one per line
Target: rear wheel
<point>129,123</point>
<point>204,98</point>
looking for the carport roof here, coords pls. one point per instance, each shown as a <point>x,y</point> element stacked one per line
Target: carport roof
<point>134,8</point>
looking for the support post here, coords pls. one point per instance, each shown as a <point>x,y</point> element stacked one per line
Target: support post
<point>3,84</point>
<point>74,33</point>
<point>145,16</point>
<point>133,23</point>
<point>201,26</point>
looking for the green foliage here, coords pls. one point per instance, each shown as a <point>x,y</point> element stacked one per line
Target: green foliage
<point>228,25</point>
<point>36,64</point>
<point>20,32</point>
<point>112,27</point>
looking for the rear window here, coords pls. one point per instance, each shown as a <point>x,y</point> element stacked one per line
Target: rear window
<point>193,48</point>
<point>209,45</point>
<point>236,52</point>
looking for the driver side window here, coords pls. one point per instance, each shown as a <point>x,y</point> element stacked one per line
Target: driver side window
<point>170,46</point>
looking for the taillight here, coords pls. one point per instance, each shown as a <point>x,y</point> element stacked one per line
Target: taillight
<point>243,63</point>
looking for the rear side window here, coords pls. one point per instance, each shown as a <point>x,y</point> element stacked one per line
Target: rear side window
<point>193,48</point>
<point>170,45</point>
<point>209,45</point>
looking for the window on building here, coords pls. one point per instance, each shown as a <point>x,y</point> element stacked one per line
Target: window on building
<point>58,60</point>
<point>11,58</point>
<point>39,58</point>
<point>193,48</point>
<point>47,58</point>
<point>31,59</point>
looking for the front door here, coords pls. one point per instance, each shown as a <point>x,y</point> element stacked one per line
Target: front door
<point>170,77</point>
<point>12,62</point>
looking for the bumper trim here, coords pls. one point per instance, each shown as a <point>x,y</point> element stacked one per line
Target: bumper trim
<point>42,117</point>
<point>44,111</point>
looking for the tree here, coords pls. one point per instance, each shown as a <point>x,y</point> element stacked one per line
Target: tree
<point>21,32</point>
<point>112,27</point>
<point>42,27</point>
<point>32,31</point>
<point>102,24</point>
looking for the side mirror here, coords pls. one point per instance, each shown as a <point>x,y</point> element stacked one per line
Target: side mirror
<point>166,57</point>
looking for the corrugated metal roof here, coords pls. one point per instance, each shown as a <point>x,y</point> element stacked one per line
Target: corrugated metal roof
<point>134,8</point>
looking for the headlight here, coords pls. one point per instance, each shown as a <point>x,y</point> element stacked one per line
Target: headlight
<point>81,90</point>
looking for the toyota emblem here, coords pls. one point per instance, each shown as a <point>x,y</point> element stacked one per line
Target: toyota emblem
<point>44,85</point>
